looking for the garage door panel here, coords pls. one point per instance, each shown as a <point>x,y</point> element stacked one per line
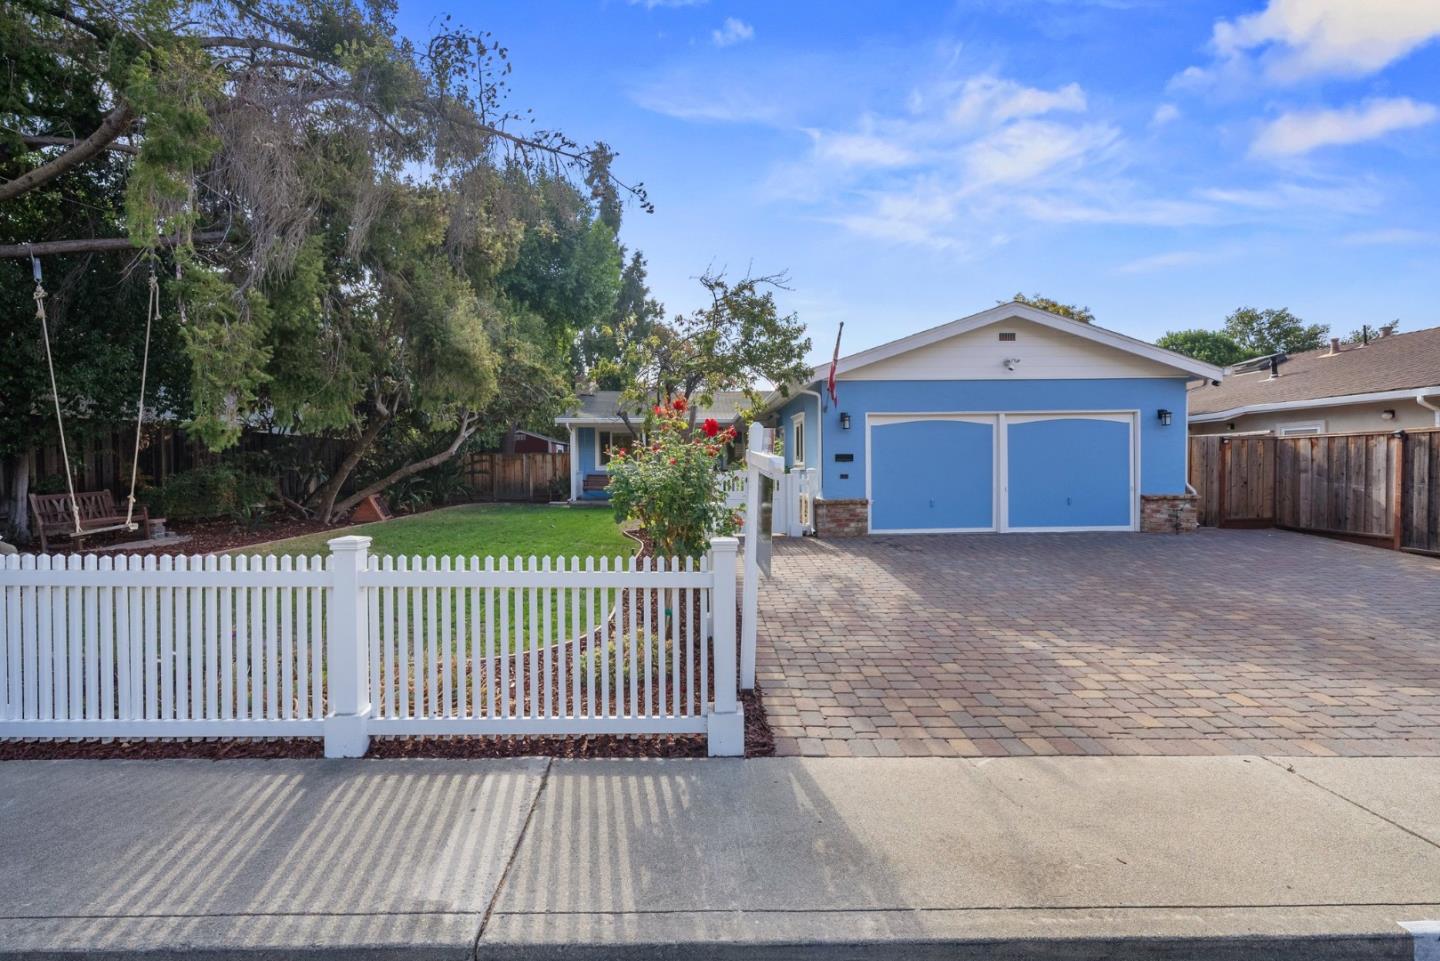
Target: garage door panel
<point>1069,472</point>
<point>932,474</point>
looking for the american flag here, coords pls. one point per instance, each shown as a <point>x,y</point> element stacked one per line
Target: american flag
<point>834,362</point>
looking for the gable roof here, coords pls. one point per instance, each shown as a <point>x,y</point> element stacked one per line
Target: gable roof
<point>1399,362</point>
<point>603,406</point>
<point>1014,309</point>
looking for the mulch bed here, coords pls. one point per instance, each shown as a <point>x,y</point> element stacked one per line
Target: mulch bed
<point>211,537</point>
<point>759,742</point>
<point>204,750</point>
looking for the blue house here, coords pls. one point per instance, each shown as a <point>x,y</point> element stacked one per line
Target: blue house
<point>597,426</point>
<point>1013,419</point>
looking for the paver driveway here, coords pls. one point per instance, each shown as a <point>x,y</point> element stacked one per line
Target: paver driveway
<point>1251,642</point>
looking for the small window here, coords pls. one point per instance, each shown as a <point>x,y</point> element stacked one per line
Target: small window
<point>607,439</point>
<point>1007,336</point>
<point>798,441</point>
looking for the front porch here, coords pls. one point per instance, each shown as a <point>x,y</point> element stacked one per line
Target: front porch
<point>590,443</point>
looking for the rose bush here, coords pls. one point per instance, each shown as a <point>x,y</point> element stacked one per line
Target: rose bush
<point>667,482</point>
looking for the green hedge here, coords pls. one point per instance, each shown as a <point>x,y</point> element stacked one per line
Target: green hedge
<point>209,492</point>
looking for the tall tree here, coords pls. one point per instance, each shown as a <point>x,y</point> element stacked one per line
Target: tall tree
<point>1081,314</point>
<point>1273,330</point>
<point>342,206</point>
<point>635,314</point>
<point>734,343</point>
<point>1212,346</point>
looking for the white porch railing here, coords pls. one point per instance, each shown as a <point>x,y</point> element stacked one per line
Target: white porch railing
<point>351,645</point>
<point>733,483</point>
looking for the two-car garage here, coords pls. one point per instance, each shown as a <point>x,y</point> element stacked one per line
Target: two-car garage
<point>1009,471</point>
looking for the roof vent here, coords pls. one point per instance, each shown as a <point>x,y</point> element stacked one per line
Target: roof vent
<point>1334,346</point>
<point>1007,336</point>
<point>1387,330</point>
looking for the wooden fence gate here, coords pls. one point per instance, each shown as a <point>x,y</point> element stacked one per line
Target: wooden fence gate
<point>518,477</point>
<point>1380,488</point>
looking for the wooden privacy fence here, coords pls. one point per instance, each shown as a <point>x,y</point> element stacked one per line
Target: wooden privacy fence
<point>518,477</point>
<point>1377,487</point>
<point>350,645</point>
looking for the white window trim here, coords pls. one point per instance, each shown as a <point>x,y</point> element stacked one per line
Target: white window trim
<point>600,445</point>
<point>1299,428</point>
<point>797,439</point>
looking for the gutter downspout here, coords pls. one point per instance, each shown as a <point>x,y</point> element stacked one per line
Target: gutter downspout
<point>820,437</point>
<point>1420,399</point>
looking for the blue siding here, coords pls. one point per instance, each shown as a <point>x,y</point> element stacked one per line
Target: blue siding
<point>810,406</point>
<point>933,475</point>
<point>1069,472</point>
<point>1162,449</point>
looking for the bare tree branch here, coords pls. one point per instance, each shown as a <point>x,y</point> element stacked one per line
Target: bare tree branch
<point>33,141</point>
<point>468,425</point>
<point>115,123</point>
<point>105,244</point>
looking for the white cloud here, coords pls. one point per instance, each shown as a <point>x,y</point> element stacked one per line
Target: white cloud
<point>1390,236</point>
<point>991,99</point>
<point>1301,132</point>
<point>1165,113</point>
<point>860,149</point>
<point>1024,151</point>
<point>1292,40</point>
<point>1170,259</point>
<point>731,32</point>
<point>1345,197</point>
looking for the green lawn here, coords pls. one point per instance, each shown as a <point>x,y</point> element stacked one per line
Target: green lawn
<point>497,530</point>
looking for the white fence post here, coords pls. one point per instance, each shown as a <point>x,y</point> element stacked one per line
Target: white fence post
<point>347,636</point>
<point>751,581</point>
<point>725,725</point>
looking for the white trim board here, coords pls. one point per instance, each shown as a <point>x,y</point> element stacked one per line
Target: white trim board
<point>1000,487</point>
<point>1011,310</point>
<point>1341,401</point>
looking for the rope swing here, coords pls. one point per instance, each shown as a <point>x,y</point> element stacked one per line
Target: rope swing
<point>152,314</point>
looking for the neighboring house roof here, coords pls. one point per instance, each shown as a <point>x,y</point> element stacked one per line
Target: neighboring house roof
<point>603,406</point>
<point>544,437</point>
<point>1009,311</point>
<point>1388,367</point>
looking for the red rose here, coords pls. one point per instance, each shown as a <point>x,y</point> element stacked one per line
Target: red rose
<point>711,427</point>
<point>673,461</point>
<point>659,411</point>
<point>733,433</point>
<point>679,404</point>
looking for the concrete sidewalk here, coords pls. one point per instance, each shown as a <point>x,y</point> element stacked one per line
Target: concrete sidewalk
<point>775,858</point>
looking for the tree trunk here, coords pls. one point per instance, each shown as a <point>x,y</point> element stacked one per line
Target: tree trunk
<point>18,468</point>
<point>325,496</point>
<point>467,427</point>
<point>116,122</point>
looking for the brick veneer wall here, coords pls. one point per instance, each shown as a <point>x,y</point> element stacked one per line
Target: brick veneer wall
<point>1168,513</point>
<point>842,518</point>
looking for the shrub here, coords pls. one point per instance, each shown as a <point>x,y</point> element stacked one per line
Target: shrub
<point>667,483</point>
<point>220,490</point>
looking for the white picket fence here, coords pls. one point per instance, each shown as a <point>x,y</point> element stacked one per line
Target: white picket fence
<point>733,483</point>
<point>348,645</point>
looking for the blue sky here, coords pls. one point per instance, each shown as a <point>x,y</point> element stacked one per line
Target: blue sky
<point>909,163</point>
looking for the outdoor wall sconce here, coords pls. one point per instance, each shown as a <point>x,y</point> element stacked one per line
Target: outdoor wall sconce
<point>844,421</point>
<point>1387,414</point>
<point>1164,416</point>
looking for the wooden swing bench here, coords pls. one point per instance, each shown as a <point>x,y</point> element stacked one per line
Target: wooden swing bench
<point>98,514</point>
